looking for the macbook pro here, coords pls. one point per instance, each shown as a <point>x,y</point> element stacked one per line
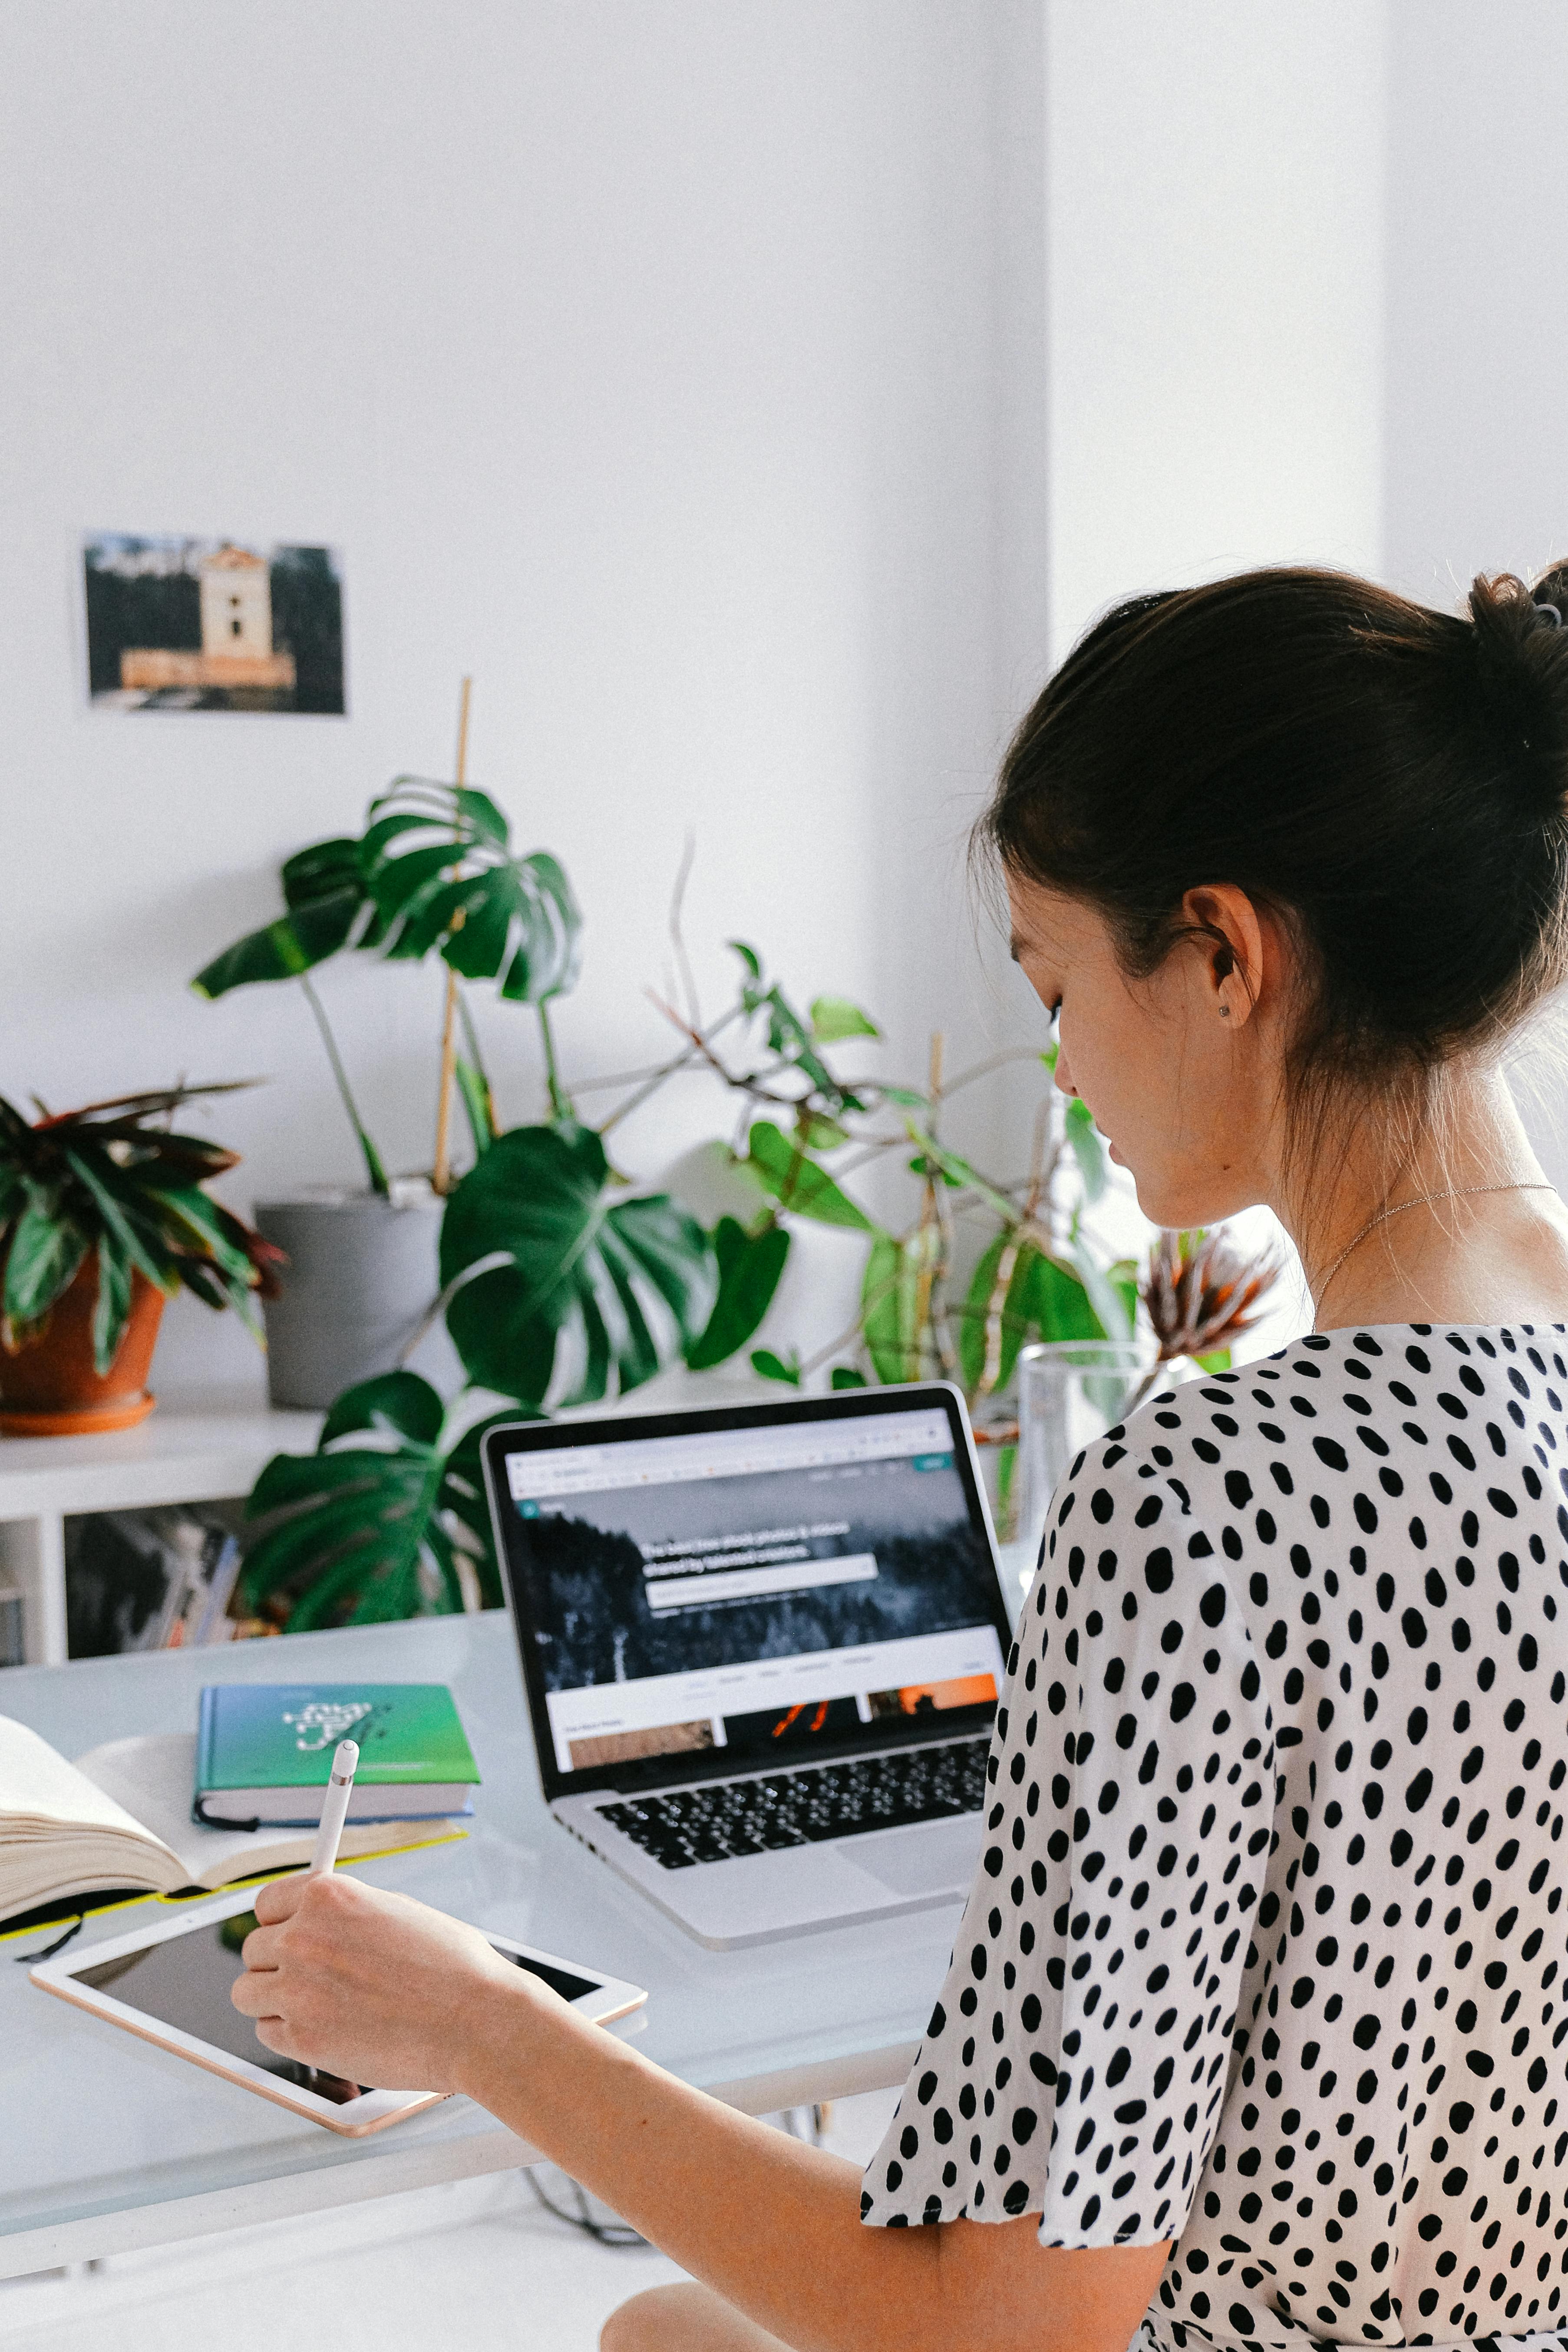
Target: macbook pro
<point>762,1647</point>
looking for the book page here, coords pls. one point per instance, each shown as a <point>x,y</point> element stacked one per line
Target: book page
<point>153,1777</point>
<point>41,1794</point>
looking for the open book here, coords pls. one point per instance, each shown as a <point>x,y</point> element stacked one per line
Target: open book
<point>120,1816</point>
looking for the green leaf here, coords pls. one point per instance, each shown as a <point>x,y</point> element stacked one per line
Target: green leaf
<point>1109,1305</point>
<point>1013,1315</point>
<point>46,1247</point>
<point>821,1134</point>
<point>359,1533</point>
<point>327,870</point>
<point>769,1367</point>
<point>748,957</point>
<point>1006,1470</point>
<point>1044,1301</point>
<point>439,867</point>
<point>1217,1361</point>
<point>328,909</point>
<point>834,1018</point>
<point>1088,1149</point>
<point>920,1165</point>
<point>401,1403</point>
<point>749,1265</point>
<point>845,1376</point>
<point>129,1234</point>
<point>99,1177</point>
<point>905,1096</point>
<point>798,1184</point>
<point>112,1311</point>
<point>890,1304</point>
<point>569,1264</point>
<point>958,1172</point>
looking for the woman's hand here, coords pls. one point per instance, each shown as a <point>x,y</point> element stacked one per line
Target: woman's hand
<point>374,1987</point>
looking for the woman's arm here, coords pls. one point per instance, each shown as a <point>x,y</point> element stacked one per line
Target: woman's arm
<point>380,1989</point>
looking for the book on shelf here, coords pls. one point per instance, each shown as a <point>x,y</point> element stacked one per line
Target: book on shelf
<point>119,1818</point>
<point>263,1751</point>
<point>149,1579</point>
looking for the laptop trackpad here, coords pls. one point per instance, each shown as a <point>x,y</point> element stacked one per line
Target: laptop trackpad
<point>924,1861</point>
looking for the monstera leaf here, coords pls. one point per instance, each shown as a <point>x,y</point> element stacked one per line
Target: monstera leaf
<point>438,863</point>
<point>371,1525</point>
<point>537,1253</point>
<point>749,1264</point>
<point>328,907</point>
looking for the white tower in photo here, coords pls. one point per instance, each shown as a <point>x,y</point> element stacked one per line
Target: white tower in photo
<point>236,604</point>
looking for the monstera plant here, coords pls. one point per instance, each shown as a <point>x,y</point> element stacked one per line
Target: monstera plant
<point>386,1519</point>
<point>563,1284</point>
<point>434,872</point>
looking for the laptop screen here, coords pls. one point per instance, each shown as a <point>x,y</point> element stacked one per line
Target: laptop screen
<point>760,1582</point>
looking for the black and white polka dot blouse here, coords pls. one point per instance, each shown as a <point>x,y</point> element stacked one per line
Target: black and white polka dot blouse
<point>1264,1954</point>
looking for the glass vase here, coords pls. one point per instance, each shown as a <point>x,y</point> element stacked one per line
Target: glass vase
<point>1070,1392</point>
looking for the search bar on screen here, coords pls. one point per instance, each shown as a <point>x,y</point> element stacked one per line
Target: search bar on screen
<point>666,1592</point>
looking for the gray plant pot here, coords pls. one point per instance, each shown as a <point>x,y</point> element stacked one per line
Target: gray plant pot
<point>361,1278</point>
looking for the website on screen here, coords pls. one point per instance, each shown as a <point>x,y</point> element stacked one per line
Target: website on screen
<point>756,1589</point>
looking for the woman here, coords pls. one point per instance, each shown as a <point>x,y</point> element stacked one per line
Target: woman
<point>1252,2024</point>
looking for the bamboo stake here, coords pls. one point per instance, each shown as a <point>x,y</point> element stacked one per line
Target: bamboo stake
<point>442,1176</point>
<point>930,1227</point>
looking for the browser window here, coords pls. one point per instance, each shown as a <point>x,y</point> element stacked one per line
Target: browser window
<point>757,1590</point>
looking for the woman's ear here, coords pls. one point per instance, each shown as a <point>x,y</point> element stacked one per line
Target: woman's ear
<point>1228,937</point>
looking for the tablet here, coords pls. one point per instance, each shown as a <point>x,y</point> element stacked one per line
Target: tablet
<point>169,1984</point>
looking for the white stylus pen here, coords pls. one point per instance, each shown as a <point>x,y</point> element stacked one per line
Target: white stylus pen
<point>334,1809</point>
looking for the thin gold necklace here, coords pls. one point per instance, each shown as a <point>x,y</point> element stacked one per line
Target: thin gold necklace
<point>1454,1193</point>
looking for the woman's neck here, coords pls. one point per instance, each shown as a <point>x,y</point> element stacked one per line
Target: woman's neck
<point>1463,1228</point>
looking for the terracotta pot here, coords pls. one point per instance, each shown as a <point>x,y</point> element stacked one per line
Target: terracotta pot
<point>50,1388</point>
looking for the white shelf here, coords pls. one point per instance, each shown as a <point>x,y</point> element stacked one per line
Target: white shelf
<point>186,1452</point>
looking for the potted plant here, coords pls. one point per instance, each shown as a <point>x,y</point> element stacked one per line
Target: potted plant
<point>561,1285</point>
<point>102,1216</point>
<point>434,872</point>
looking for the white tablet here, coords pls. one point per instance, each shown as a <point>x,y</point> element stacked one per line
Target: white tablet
<point>169,1984</point>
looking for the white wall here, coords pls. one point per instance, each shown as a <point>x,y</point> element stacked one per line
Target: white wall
<point>1216,292</point>
<point>1477,326</point>
<point>642,358</point>
<point>1477,471</point>
<point>1215,312</point>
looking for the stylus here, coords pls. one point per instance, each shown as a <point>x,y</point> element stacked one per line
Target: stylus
<point>334,1810</point>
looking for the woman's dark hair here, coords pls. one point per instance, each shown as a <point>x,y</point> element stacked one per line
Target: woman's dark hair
<point>1389,781</point>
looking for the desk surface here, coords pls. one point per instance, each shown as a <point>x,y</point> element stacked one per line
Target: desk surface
<point>107,2143</point>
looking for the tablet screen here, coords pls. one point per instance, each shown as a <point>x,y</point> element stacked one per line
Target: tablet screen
<point>185,1981</point>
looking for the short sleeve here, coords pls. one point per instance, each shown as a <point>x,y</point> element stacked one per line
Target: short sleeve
<point>1075,2060</point>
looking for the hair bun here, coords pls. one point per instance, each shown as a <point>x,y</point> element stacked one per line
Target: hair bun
<point>1522,659</point>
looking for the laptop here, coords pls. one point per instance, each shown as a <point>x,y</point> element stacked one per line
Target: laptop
<point>763,1646</point>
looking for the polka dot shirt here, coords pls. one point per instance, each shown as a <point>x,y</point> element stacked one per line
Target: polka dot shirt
<point>1263,1953</point>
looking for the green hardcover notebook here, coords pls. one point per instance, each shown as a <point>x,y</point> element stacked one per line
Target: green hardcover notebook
<point>263,1751</point>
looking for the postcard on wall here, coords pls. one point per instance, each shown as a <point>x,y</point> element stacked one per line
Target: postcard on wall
<point>176,623</point>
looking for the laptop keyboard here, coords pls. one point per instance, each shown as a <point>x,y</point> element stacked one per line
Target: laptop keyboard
<point>720,1820</point>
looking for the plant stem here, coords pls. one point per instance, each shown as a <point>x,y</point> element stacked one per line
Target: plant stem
<point>374,1169</point>
<point>442,1176</point>
<point>471,1039</point>
<point>560,1106</point>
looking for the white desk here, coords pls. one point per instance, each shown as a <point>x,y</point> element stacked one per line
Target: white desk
<point>108,2144</point>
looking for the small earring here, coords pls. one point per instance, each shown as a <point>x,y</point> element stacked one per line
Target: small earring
<point>1225,1012</point>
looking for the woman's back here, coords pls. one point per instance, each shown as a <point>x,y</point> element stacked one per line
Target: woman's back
<point>1328,1901</point>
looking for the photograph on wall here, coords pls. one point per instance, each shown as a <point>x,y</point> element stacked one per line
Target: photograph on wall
<point>179,624</point>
